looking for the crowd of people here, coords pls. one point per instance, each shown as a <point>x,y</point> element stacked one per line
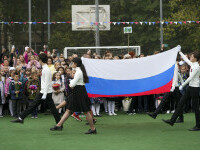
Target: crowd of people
<point>20,79</point>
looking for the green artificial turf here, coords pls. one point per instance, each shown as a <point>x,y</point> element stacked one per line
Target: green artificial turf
<point>121,132</point>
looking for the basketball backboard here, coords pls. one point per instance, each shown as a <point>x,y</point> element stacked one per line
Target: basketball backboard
<point>83,17</point>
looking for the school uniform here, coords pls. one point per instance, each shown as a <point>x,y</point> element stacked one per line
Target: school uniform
<point>46,89</point>
<point>15,99</point>
<point>80,101</point>
<point>191,92</point>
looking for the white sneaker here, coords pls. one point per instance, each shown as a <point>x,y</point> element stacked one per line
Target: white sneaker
<point>1,116</point>
<point>168,112</point>
<point>110,114</point>
<point>33,117</point>
<point>114,114</point>
<point>36,117</point>
<point>172,111</point>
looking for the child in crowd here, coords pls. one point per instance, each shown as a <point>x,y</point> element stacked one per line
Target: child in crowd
<point>16,94</point>
<point>111,106</point>
<point>2,96</point>
<point>58,89</point>
<point>185,74</point>
<point>57,65</point>
<point>6,71</point>
<point>33,62</point>
<point>96,105</point>
<point>62,73</point>
<point>32,89</point>
<point>3,76</point>
<point>7,92</point>
<point>25,75</point>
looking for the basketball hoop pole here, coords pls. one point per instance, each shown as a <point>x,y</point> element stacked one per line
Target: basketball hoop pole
<point>128,42</point>
<point>29,18</point>
<point>97,26</point>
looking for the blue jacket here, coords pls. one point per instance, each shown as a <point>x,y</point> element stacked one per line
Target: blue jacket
<point>23,79</point>
<point>12,91</point>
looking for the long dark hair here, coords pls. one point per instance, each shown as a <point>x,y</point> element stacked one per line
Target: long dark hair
<point>79,63</point>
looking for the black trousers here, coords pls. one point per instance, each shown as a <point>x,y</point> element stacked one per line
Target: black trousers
<point>193,93</point>
<point>174,96</point>
<point>143,101</point>
<point>16,107</point>
<point>38,100</point>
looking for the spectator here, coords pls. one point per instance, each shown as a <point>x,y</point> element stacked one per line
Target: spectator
<point>57,65</point>
<point>7,91</point>
<point>5,56</point>
<point>23,63</point>
<point>28,52</point>
<point>2,96</point>
<point>58,92</point>
<point>33,62</point>
<point>16,94</point>
<point>32,89</point>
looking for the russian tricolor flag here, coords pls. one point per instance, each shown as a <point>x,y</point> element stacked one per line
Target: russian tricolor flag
<point>131,77</point>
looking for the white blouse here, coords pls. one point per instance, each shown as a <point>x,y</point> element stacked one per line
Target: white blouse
<point>46,78</point>
<point>78,78</point>
<point>193,79</point>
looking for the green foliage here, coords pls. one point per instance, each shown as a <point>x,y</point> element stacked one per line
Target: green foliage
<point>147,36</point>
<point>186,35</point>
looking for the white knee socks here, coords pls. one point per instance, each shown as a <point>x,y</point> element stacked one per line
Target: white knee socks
<point>111,108</point>
<point>97,108</point>
<point>106,105</point>
<point>93,109</point>
<point>10,107</point>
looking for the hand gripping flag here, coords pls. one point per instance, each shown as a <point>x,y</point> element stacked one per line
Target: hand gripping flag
<point>131,77</point>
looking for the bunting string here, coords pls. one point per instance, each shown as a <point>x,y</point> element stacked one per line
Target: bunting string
<point>112,23</point>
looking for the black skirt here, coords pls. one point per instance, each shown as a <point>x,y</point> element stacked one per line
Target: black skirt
<point>78,100</point>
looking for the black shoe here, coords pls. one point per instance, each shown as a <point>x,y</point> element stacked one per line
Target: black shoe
<point>91,131</point>
<point>94,121</point>
<point>17,121</point>
<point>168,122</point>
<point>152,115</point>
<point>194,129</point>
<point>56,128</point>
<point>98,116</point>
<point>179,121</point>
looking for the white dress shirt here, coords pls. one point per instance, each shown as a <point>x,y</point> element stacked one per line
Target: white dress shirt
<point>176,78</point>
<point>46,80</point>
<point>193,79</point>
<point>78,78</point>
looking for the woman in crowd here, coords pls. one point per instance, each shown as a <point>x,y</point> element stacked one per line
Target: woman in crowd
<point>51,65</point>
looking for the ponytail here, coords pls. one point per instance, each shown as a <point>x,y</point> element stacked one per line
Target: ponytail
<point>85,76</point>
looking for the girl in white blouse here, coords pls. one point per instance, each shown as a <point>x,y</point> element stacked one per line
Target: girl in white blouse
<point>80,101</point>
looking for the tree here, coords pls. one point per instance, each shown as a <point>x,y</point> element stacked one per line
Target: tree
<point>186,35</point>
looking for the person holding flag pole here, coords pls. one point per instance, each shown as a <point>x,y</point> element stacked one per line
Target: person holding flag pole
<point>191,92</point>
